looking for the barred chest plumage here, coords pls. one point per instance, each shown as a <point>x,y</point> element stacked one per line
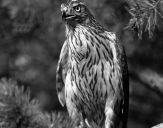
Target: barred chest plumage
<point>93,73</point>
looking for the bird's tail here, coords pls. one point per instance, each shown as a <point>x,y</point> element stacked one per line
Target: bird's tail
<point>125,115</point>
<point>125,105</point>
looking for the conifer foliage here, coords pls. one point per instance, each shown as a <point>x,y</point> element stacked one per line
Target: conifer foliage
<point>145,15</point>
<point>18,110</point>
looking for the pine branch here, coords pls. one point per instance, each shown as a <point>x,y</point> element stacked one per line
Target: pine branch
<point>144,16</point>
<point>18,110</point>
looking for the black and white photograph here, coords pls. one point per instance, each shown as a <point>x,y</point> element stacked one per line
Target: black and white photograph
<point>81,63</point>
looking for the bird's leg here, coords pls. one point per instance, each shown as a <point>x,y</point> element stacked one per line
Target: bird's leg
<point>110,118</point>
<point>112,112</point>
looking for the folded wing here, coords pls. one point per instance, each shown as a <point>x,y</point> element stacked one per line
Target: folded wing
<point>62,68</point>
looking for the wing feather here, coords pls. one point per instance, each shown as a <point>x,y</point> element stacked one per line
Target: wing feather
<point>125,83</point>
<point>125,76</point>
<point>61,73</point>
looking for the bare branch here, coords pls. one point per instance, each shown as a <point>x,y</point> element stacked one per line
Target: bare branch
<point>158,126</point>
<point>149,78</point>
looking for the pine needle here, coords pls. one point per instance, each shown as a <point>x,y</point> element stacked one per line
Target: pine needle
<point>144,16</point>
<point>18,110</point>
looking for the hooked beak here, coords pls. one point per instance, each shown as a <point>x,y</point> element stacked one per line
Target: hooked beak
<point>66,13</point>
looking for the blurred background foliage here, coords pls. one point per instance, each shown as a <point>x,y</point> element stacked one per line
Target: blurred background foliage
<point>32,34</point>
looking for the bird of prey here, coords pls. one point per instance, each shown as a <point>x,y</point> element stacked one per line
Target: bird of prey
<point>92,74</point>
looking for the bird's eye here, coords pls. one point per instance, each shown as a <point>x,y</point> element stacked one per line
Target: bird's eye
<point>77,8</point>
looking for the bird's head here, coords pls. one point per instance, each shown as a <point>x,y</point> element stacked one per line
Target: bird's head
<point>76,12</point>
